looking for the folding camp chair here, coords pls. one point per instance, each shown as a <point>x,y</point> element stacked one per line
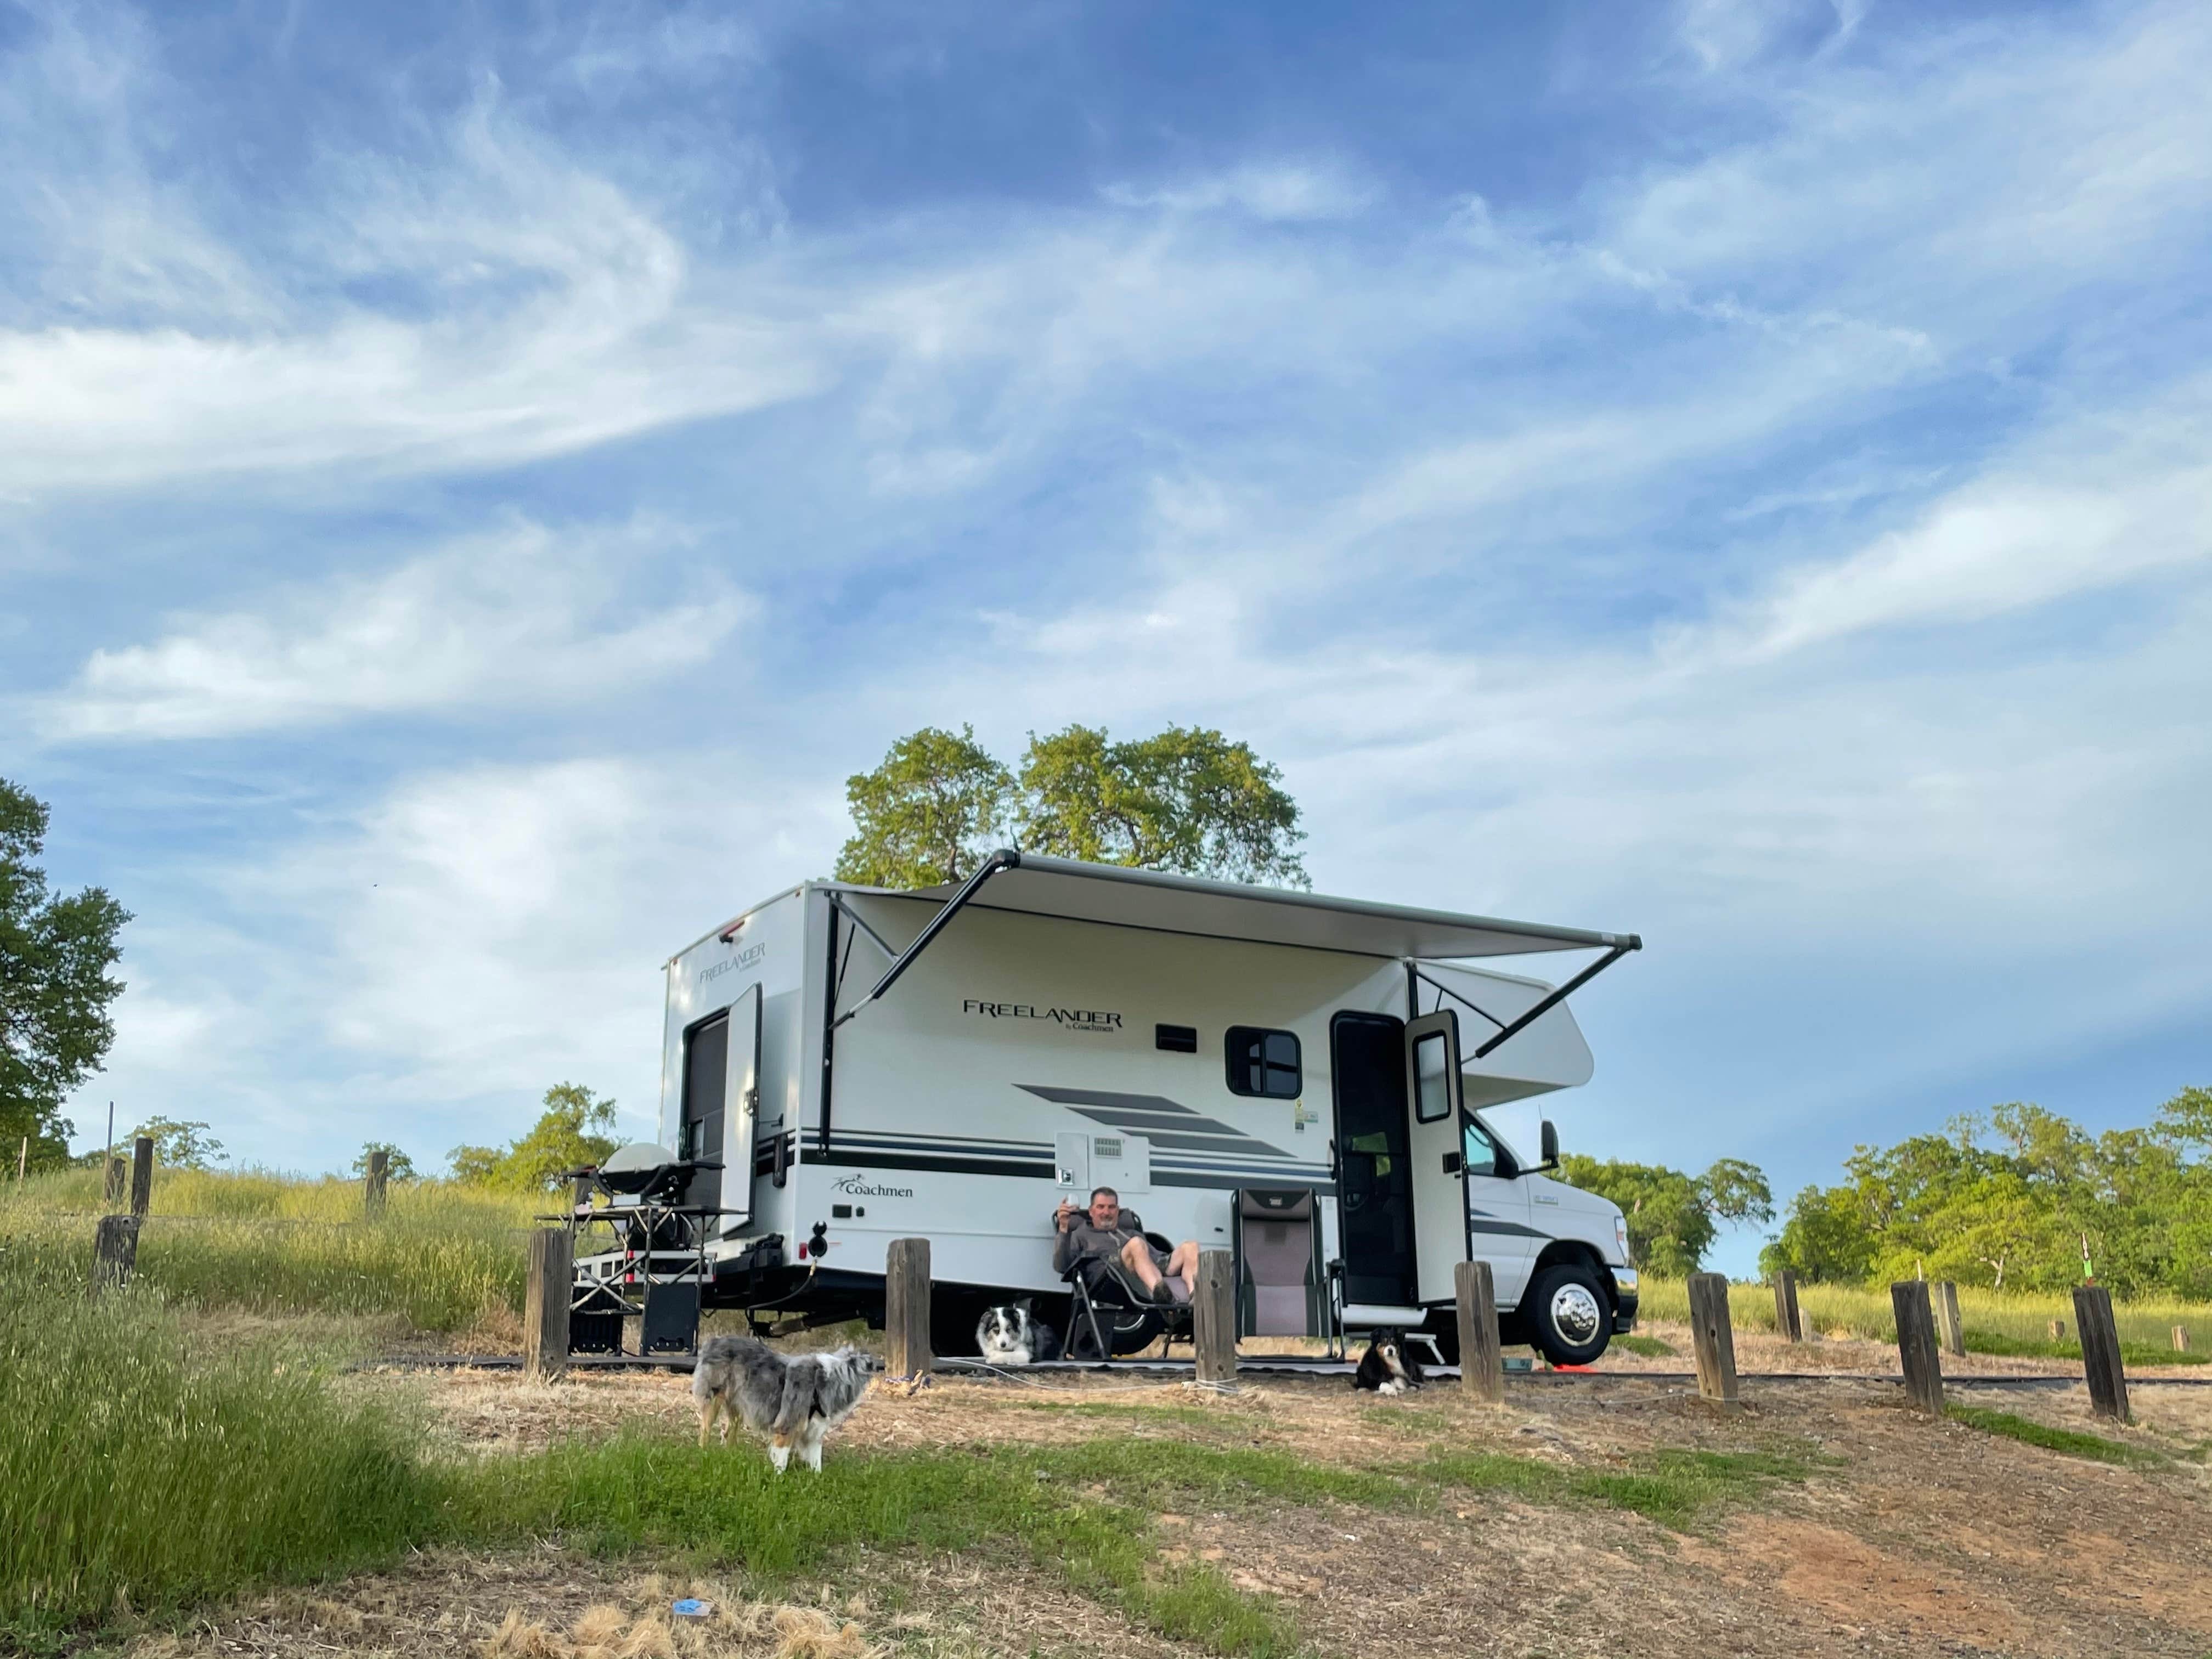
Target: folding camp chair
<point>1281,1290</point>
<point>1110,1314</point>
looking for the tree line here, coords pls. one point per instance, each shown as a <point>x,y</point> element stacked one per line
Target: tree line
<point>2020,1198</point>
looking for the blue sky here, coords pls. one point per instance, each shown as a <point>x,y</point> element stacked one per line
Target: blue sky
<point>474,485</point>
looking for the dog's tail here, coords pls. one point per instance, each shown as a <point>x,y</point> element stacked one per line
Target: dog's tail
<point>800,1382</point>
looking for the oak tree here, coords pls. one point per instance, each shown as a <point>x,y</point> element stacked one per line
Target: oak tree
<point>55,988</point>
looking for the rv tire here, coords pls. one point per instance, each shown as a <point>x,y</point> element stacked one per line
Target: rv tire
<point>1568,1313</point>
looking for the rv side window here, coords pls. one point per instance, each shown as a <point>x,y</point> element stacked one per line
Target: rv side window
<point>1263,1062</point>
<point>1479,1150</point>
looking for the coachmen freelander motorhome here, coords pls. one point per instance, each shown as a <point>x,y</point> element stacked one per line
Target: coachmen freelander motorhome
<point>950,1064</point>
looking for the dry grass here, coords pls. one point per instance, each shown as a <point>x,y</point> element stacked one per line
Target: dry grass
<point>2007,1320</point>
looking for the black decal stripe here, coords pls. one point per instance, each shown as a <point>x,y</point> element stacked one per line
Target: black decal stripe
<point>1231,1183</point>
<point>1059,1096</point>
<point>845,1160</point>
<point>1218,1179</point>
<point>974,1146</point>
<point>1504,1228</point>
<point>935,1136</point>
<point>1183,1122</point>
<point>1242,1146</point>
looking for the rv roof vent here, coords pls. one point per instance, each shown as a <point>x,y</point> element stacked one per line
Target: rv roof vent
<point>1177,1039</point>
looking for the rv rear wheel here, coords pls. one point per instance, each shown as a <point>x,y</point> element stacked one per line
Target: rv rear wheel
<point>1568,1318</point>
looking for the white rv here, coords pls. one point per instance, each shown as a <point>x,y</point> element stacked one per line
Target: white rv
<point>950,1064</point>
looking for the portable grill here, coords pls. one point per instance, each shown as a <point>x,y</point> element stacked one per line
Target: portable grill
<point>656,1261</point>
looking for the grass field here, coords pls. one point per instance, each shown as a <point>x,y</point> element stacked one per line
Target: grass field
<point>131,1416</point>
<point>2000,1323</point>
<point>442,1257</point>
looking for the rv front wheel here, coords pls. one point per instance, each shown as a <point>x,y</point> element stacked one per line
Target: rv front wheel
<point>1570,1321</point>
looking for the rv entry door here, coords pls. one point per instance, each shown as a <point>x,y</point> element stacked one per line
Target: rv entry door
<point>1438,1159</point>
<point>721,1093</point>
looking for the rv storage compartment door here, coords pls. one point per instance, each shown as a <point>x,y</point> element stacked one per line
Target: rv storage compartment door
<point>1081,1162</point>
<point>1122,1161</point>
<point>1432,1104</point>
<point>1072,1164</point>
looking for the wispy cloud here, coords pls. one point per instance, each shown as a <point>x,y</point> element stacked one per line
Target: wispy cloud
<point>523,617</point>
<point>487,299</point>
<point>1282,191</point>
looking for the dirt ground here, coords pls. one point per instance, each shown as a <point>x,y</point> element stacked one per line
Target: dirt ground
<point>1913,1537</point>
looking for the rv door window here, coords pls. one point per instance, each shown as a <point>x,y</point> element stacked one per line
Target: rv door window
<point>1431,1077</point>
<point>1263,1062</point>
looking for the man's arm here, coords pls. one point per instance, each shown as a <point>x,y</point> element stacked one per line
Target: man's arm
<point>1063,1246</point>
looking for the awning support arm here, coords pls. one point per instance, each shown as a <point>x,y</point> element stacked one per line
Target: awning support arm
<point>1444,990</point>
<point>838,904</point>
<point>1005,859</point>
<point>1545,1004</point>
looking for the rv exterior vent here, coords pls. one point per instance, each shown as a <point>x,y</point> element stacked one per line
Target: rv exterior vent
<point>1177,1039</point>
<point>1106,1146</point>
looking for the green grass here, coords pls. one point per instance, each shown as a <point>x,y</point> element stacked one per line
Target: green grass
<point>442,1257</point>
<point>1650,1347</point>
<point>141,1470</point>
<point>1675,1488</point>
<point>2003,1322</point>
<point>148,1467</point>
<point>650,1491</point>
<point>2069,1441</point>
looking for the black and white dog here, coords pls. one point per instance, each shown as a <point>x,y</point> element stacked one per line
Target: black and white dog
<point>1389,1366</point>
<point>793,1400</point>
<point>1013,1335</point>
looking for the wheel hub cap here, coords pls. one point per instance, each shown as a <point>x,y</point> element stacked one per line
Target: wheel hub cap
<point>1575,1314</point>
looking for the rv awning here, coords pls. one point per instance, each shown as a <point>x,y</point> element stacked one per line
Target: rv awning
<point>1266,915</point>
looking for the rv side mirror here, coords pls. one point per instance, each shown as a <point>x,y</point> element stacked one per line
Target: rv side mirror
<point>1548,1139</point>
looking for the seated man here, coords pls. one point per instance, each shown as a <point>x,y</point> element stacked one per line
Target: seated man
<point>1107,1229</point>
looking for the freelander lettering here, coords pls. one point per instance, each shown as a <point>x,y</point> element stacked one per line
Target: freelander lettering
<point>1074,1019</point>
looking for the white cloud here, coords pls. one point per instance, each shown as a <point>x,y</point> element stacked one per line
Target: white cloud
<point>535,306</point>
<point>1961,180</point>
<point>2093,505</point>
<point>1282,191</point>
<point>521,617</point>
<point>422,969</point>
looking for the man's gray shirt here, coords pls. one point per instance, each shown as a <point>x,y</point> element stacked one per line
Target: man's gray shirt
<point>1083,1239</point>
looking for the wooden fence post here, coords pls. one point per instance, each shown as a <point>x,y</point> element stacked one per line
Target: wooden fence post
<point>2181,1339</point>
<point>545,1298</point>
<point>1481,1367</point>
<point>1712,1337</point>
<point>141,1175</point>
<point>1947,1323</point>
<point>119,1180</point>
<point>372,1195</point>
<point>1787,1321</point>
<point>2100,1351</point>
<point>1916,1344</point>
<point>114,1252</point>
<point>905,1309</point>
<point>1213,1317</point>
